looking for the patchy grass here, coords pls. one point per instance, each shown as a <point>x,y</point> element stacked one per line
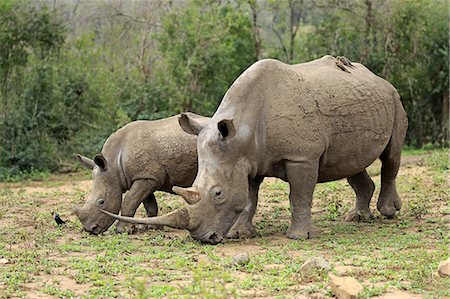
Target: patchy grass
<point>45,260</point>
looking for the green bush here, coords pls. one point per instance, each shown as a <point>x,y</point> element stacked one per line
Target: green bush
<point>204,49</point>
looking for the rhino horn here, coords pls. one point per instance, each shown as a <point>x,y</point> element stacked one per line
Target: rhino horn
<point>76,211</point>
<point>190,194</point>
<point>177,219</point>
<point>86,162</point>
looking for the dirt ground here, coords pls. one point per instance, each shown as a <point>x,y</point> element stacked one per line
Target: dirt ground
<point>391,258</point>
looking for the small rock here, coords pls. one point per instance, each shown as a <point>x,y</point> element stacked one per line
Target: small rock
<point>444,268</point>
<point>4,261</point>
<point>241,259</point>
<point>315,262</point>
<point>345,287</point>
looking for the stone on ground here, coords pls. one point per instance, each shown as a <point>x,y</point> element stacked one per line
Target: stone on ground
<point>345,287</point>
<point>4,261</point>
<point>444,268</point>
<point>316,262</point>
<point>241,259</point>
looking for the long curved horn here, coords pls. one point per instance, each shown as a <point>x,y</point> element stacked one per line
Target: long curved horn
<point>190,195</point>
<point>177,219</point>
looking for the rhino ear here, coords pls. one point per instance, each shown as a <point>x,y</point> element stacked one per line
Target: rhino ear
<point>226,128</point>
<point>86,162</point>
<point>188,124</point>
<point>100,161</point>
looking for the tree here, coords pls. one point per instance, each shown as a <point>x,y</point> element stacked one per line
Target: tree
<point>255,10</point>
<point>404,41</point>
<point>24,28</point>
<point>416,62</point>
<point>286,21</point>
<point>46,101</point>
<point>204,47</point>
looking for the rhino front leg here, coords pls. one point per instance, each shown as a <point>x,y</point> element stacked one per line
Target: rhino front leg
<point>139,192</point>
<point>302,179</point>
<point>243,227</point>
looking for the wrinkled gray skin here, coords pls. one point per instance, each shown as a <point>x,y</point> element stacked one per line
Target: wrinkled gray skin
<point>142,157</point>
<point>307,123</point>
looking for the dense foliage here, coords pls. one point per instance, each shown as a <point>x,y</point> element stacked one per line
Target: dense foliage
<point>73,72</point>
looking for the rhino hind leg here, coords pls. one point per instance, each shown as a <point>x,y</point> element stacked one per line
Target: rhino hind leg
<point>389,202</point>
<point>364,187</point>
<point>243,227</point>
<point>151,206</point>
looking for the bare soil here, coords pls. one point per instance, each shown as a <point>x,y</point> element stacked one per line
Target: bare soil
<point>20,227</point>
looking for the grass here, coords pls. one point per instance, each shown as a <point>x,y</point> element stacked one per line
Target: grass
<point>19,176</point>
<point>401,253</point>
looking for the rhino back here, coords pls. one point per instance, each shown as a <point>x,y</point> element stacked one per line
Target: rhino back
<point>158,150</point>
<point>353,112</point>
<point>313,111</point>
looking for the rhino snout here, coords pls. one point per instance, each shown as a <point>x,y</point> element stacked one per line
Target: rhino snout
<point>94,229</point>
<point>211,237</point>
<point>92,219</point>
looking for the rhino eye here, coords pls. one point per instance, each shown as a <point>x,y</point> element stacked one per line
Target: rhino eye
<point>217,193</point>
<point>100,202</point>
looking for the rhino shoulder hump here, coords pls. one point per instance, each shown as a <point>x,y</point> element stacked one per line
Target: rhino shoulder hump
<point>267,64</point>
<point>328,57</point>
<point>260,69</point>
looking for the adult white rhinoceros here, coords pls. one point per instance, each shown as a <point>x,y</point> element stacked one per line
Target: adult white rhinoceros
<point>308,123</point>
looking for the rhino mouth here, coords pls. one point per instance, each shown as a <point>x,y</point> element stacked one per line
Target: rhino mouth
<point>211,238</point>
<point>95,229</point>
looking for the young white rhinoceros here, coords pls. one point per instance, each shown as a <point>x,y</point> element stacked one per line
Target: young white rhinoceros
<point>308,123</point>
<point>142,157</point>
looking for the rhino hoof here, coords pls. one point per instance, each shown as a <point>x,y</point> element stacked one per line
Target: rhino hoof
<point>398,204</point>
<point>359,216</point>
<point>122,228</point>
<point>388,211</point>
<point>150,227</point>
<point>388,204</point>
<point>296,233</point>
<point>248,231</point>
